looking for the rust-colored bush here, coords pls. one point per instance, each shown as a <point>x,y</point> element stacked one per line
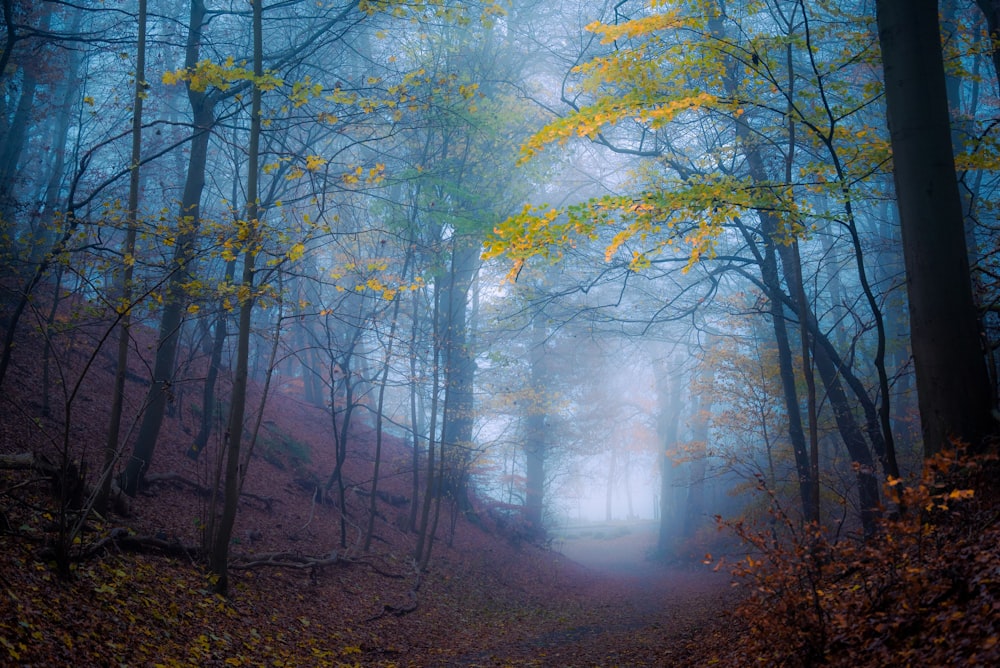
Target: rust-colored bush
<point>925,591</point>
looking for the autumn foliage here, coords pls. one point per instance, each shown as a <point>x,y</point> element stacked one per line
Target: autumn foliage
<point>923,592</point>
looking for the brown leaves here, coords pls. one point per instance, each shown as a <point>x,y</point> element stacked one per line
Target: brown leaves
<point>924,591</point>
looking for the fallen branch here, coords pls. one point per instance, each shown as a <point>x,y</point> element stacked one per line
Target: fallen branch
<point>122,540</point>
<point>293,560</point>
<point>171,477</point>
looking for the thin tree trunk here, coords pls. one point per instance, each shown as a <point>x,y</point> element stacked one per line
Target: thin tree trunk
<point>695,506</point>
<point>172,316</point>
<point>212,377</point>
<point>231,494</point>
<point>415,422</point>
<point>535,437</point>
<point>131,222</point>
<point>380,405</point>
<point>668,390</point>
<point>431,479</point>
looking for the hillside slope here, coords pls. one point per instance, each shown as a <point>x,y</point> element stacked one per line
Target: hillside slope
<point>138,594</point>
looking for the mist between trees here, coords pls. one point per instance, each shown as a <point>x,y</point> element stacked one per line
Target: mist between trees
<point>591,261</point>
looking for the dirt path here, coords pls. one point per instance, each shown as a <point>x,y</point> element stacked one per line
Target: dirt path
<point>624,611</point>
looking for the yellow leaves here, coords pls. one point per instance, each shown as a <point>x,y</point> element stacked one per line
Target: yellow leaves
<point>639,262</point>
<point>961,494</point>
<point>616,243</point>
<point>660,115</point>
<point>339,96</point>
<point>173,78</point>
<point>376,285</point>
<point>371,176</point>
<point>685,217</point>
<point>296,251</point>
<point>303,91</point>
<point>314,162</point>
<point>636,28</point>
<point>207,73</point>
<point>589,121</point>
<point>13,650</point>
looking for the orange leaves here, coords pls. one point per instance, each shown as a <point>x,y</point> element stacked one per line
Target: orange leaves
<point>921,592</point>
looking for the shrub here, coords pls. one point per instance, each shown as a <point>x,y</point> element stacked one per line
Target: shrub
<point>924,591</point>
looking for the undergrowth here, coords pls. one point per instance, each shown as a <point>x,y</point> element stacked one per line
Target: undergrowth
<point>925,591</point>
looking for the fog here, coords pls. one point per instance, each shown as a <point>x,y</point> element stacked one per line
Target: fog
<point>590,262</point>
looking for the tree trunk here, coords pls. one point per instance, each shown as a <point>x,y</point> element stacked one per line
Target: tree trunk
<point>131,217</point>
<point>380,406</point>
<point>212,378</point>
<point>171,319</point>
<point>851,433</point>
<point>694,510</point>
<point>668,391</point>
<point>432,486</point>
<point>775,294</point>
<point>415,416</point>
<point>534,444</point>
<point>234,478</point>
<point>16,134</point>
<point>459,369</point>
<point>953,387</point>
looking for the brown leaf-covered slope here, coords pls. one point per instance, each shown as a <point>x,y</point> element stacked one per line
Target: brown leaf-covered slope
<point>142,598</point>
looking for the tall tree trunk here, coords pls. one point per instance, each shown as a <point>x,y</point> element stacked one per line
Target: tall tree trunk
<point>609,488</point>
<point>771,236</point>
<point>459,368</point>
<point>786,370</point>
<point>212,377</point>
<point>694,510</point>
<point>432,485</point>
<point>16,134</point>
<point>380,405</point>
<point>416,428</point>
<point>171,319</point>
<point>535,436</point>
<point>668,392</point>
<point>953,387</point>
<point>45,245</point>
<point>131,222</point>
<point>234,478</point>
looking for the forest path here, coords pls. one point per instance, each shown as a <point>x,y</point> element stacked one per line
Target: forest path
<point>623,610</point>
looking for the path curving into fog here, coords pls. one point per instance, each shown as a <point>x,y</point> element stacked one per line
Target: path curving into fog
<point>627,610</point>
<point>617,548</point>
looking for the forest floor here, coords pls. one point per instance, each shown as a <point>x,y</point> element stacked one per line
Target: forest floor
<point>303,591</point>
